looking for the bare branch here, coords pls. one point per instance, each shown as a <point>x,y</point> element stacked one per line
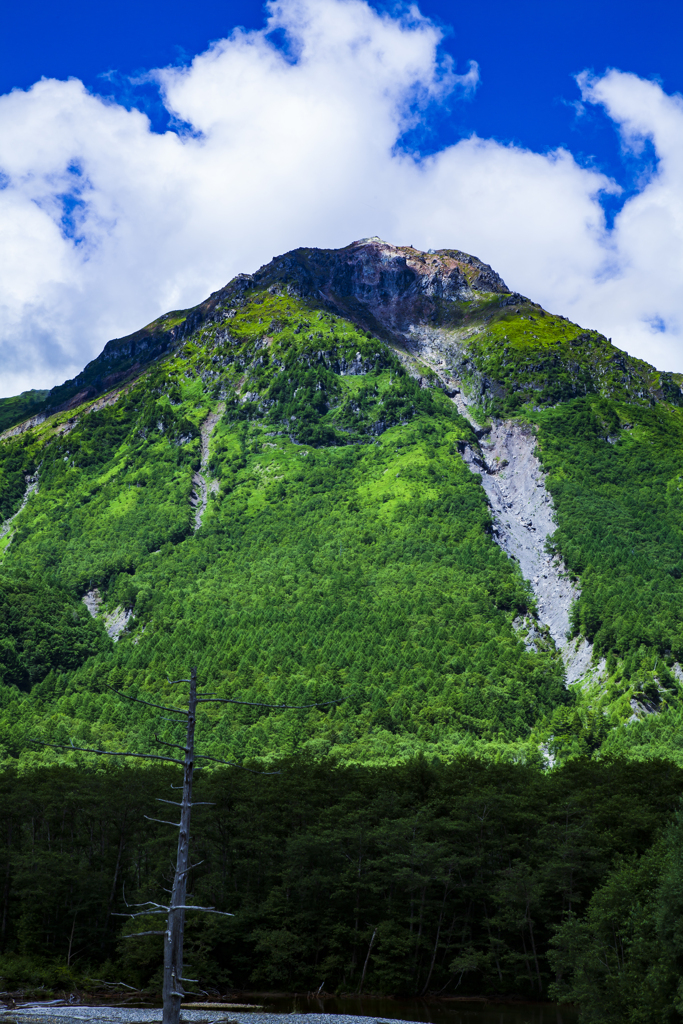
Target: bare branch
<point>141,913</point>
<point>109,753</point>
<point>146,903</point>
<point>191,867</point>
<point>205,910</point>
<point>114,984</point>
<point>163,909</point>
<point>176,824</point>
<point>195,803</point>
<point>162,707</point>
<point>167,910</point>
<point>135,935</point>
<point>164,743</point>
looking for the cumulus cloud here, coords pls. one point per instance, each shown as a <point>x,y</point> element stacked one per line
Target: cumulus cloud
<point>105,224</point>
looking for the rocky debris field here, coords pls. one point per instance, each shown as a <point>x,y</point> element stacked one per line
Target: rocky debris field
<point>523,512</point>
<point>37,1014</point>
<point>202,488</point>
<point>523,515</point>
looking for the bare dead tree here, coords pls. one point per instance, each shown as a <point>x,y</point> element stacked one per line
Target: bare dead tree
<point>178,906</point>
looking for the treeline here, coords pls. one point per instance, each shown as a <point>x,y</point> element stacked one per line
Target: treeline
<point>467,878</point>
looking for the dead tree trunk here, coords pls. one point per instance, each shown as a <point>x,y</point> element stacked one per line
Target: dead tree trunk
<point>173,939</point>
<point>175,911</point>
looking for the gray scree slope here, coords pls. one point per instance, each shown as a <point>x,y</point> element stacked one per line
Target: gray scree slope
<point>523,516</point>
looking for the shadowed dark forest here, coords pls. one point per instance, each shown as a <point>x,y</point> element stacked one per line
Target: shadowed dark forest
<point>496,879</point>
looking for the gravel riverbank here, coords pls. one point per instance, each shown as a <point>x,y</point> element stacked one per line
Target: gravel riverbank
<point>119,1015</point>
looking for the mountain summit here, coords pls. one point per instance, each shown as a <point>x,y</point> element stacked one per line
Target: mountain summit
<point>442,303</point>
<point>388,289</point>
<point>371,474</point>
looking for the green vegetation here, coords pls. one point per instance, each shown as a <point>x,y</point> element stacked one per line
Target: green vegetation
<point>514,354</point>
<point>464,873</point>
<point>616,477</point>
<point>621,960</point>
<point>614,472</point>
<point>42,629</point>
<point>361,569</point>
<point>17,461</point>
<point>346,553</point>
<point>20,407</point>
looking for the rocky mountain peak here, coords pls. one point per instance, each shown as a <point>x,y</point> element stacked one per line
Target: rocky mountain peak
<point>444,306</point>
<point>386,288</point>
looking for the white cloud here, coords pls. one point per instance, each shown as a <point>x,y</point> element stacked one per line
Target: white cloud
<point>644,291</point>
<point>104,224</point>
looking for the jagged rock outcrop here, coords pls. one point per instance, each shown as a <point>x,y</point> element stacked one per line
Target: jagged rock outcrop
<point>388,289</point>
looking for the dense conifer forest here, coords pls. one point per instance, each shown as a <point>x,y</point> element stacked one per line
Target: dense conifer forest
<point>278,488</point>
<point>494,879</point>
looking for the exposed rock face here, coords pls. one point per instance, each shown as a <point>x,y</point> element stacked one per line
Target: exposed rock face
<point>26,425</point>
<point>115,621</point>
<point>416,300</point>
<point>388,289</point>
<point>523,517</point>
<point>202,488</point>
<point>68,425</point>
<point>92,601</point>
<point>578,657</point>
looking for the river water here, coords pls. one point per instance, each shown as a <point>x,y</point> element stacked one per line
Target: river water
<point>445,1011</point>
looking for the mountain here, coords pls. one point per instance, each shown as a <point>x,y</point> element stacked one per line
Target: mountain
<point>373,475</point>
<point>16,409</point>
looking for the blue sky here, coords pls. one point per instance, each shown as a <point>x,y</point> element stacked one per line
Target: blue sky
<point>525,105</point>
<point>528,54</point>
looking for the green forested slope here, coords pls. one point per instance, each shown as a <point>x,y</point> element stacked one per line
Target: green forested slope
<point>363,569</point>
<point>615,473</point>
<point>17,408</point>
<point>346,553</point>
